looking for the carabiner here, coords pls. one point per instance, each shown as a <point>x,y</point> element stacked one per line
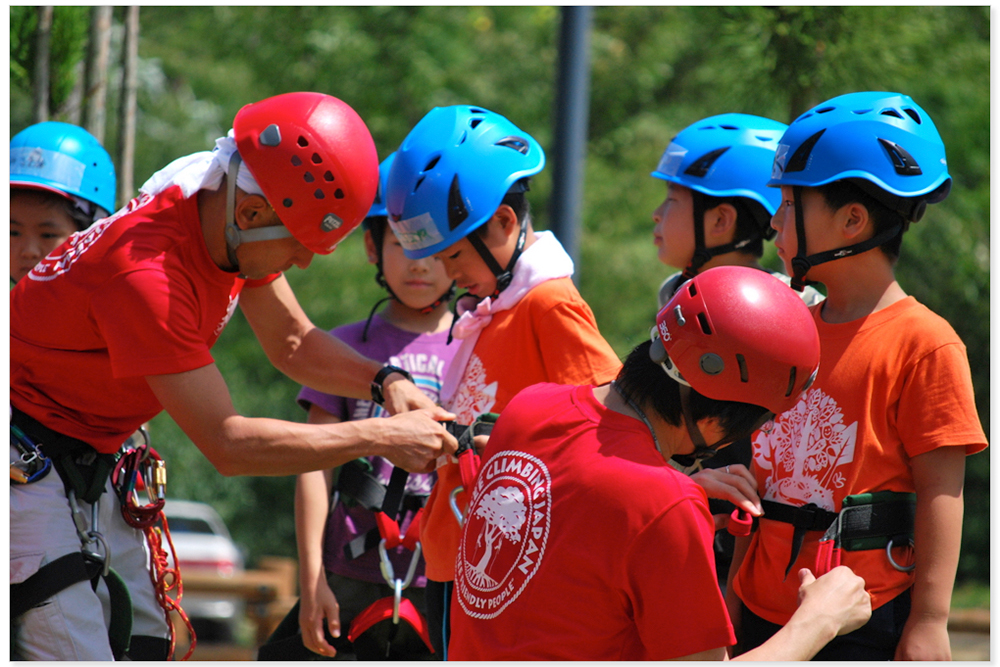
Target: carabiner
<point>901,568</point>
<point>454,505</point>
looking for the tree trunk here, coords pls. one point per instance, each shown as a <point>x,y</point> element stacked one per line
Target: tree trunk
<point>127,107</point>
<point>42,38</point>
<point>96,81</point>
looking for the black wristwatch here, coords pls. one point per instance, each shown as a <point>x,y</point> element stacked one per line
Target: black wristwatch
<point>380,377</point>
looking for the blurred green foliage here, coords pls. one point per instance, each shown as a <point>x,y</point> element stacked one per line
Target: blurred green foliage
<point>655,70</point>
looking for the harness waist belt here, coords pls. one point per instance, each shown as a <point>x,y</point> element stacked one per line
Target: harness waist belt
<point>866,521</point>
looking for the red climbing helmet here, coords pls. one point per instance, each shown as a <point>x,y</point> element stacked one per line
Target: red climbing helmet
<point>734,333</point>
<point>315,161</point>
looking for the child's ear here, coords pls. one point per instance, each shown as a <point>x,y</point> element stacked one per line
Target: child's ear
<point>721,221</point>
<point>506,220</point>
<point>856,220</point>
<point>370,248</point>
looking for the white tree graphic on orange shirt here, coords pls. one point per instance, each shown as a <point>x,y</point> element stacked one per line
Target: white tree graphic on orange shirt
<point>503,512</point>
<point>474,397</point>
<point>802,449</point>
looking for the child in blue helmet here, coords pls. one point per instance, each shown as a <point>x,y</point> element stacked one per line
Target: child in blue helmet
<point>867,470</point>
<point>717,212</point>
<point>336,586</point>
<point>457,191</point>
<point>61,181</point>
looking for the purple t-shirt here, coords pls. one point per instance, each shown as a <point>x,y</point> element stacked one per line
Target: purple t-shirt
<point>426,357</point>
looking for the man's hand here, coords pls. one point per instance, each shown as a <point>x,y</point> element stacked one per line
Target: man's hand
<point>838,596</point>
<point>733,483</point>
<point>401,396</point>
<point>414,440</point>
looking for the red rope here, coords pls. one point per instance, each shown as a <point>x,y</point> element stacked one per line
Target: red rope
<point>166,579</point>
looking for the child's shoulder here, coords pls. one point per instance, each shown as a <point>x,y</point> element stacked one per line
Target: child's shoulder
<point>552,292</point>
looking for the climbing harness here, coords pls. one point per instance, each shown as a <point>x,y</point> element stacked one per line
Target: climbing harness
<point>394,606</point>
<point>879,520</point>
<point>84,473</point>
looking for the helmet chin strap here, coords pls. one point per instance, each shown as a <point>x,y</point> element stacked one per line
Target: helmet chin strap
<point>802,262</point>
<point>503,276</point>
<point>236,236</point>
<point>702,255</point>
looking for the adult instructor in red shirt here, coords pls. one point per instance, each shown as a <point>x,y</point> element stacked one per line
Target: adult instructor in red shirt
<point>117,324</point>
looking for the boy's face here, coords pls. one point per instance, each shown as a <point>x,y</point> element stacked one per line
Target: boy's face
<point>673,230</point>
<point>819,225</point>
<point>37,226</point>
<point>416,282</point>
<point>463,264</point>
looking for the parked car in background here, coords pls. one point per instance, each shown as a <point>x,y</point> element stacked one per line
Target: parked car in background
<point>204,545</point>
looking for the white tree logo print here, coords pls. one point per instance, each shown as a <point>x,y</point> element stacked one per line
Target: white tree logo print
<point>474,397</point>
<point>503,512</point>
<point>802,449</point>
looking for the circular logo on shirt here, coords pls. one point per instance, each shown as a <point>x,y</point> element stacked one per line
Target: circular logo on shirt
<point>507,527</point>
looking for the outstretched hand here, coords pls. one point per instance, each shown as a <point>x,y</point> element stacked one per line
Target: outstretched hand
<point>733,483</point>
<point>414,440</point>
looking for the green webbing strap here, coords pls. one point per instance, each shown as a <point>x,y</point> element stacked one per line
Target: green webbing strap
<point>55,577</point>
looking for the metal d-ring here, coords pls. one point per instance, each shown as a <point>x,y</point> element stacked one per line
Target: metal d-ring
<point>454,504</point>
<point>888,554</point>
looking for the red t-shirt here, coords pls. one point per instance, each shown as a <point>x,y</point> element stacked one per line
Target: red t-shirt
<point>891,386</point>
<point>582,543</point>
<point>136,294</point>
<point>550,335</point>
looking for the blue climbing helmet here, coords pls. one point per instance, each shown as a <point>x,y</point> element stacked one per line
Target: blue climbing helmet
<point>67,160</point>
<point>378,206</point>
<point>729,155</point>
<point>883,143</point>
<point>451,174</point>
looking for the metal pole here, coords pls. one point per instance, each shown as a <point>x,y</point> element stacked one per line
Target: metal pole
<point>572,117</point>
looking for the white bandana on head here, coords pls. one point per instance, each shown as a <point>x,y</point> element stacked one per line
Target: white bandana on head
<point>202,171</point>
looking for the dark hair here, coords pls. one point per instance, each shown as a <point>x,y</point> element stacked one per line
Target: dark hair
<point>752,221</point>
<point>650,387</point>
<point>843,192</point>
<point>518,201</point>
<point>67,206</point>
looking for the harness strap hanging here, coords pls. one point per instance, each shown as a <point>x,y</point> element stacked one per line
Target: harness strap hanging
<point>52,578</point>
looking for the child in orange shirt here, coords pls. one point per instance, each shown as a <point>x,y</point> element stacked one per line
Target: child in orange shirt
<point>867,469</point>
<point>457,191</point>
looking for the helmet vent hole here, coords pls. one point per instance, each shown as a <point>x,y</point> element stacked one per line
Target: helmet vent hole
<point>744,373</point>
<point>861,112</point>
<point>517,143</point>
<point>729,127</point>
<point>416,185</point>
<point>316,158</point>
<point>703,322</point>
<point>461,139</point>
<point>303,142</point>
<point>474,123</point>
<point>319,194</point>
<point>700,167</point>
<point>328,177</point>
<point>791,382</point>
<point>296,162</point>
<point>431,164</point>
<point>800,159</point>
<point>692,289</point>
<point>338,193</point>
<point>760,138</point>
<point>287,203</point>
<point>309,177</point>
<point>825,110</point>
<point>891,112</point>
<point>912,113</point>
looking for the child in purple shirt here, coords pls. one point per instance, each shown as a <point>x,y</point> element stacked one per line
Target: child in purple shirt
<point>411,333</point>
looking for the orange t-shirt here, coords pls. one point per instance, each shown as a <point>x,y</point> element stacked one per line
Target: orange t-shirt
<point>550,335</point>
<point>891,386</point>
